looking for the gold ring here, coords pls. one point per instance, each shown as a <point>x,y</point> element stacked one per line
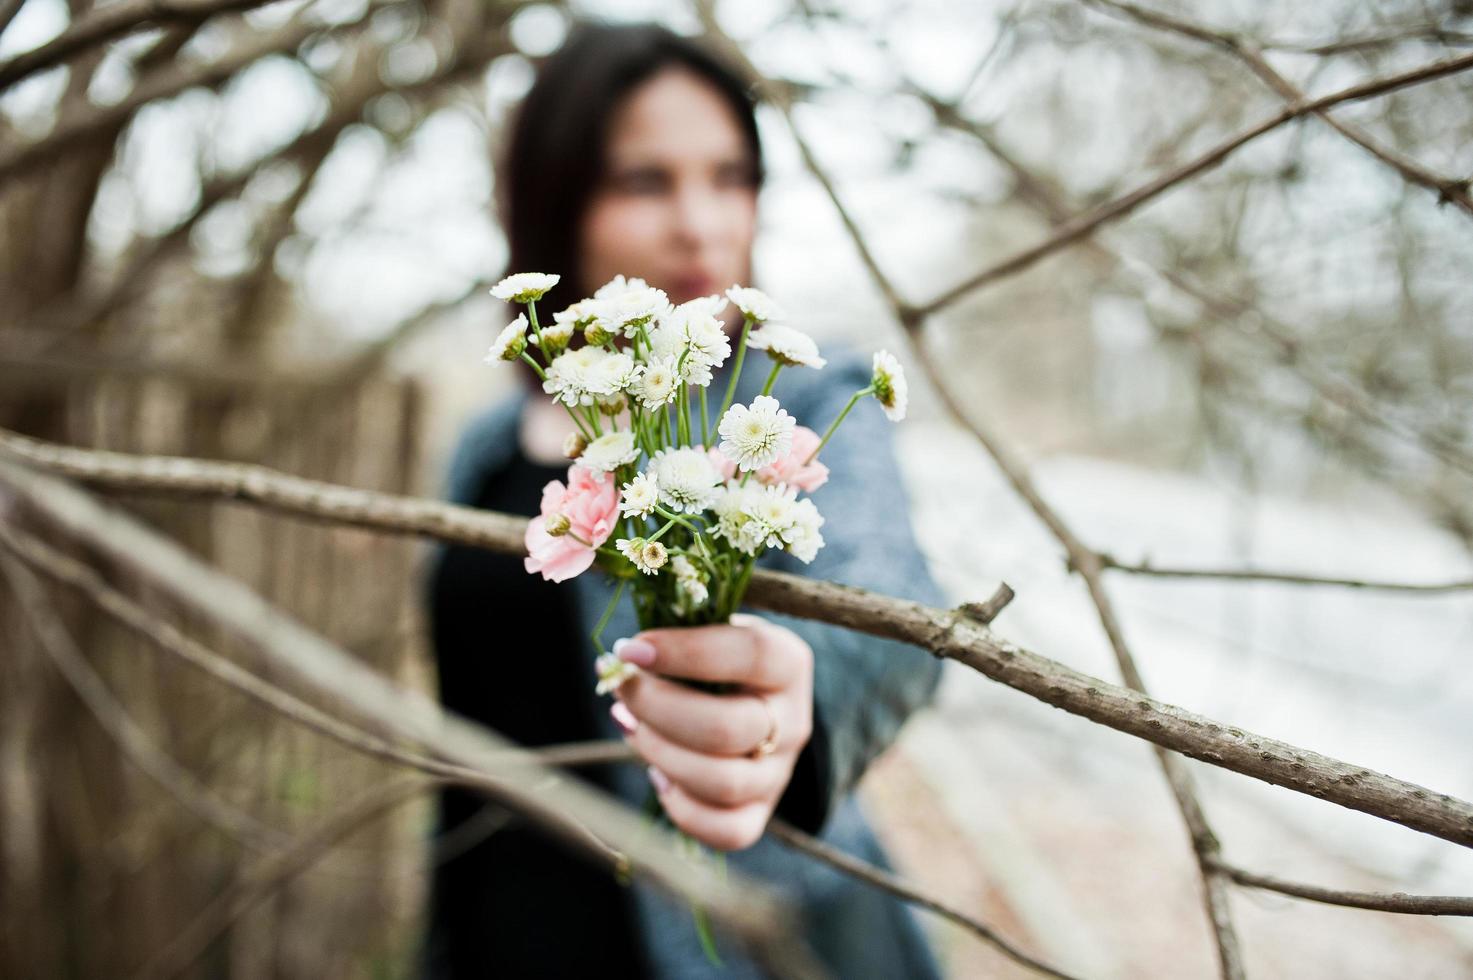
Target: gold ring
<point>768,745</point>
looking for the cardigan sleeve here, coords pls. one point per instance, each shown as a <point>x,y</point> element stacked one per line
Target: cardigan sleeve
<point>864,687</point>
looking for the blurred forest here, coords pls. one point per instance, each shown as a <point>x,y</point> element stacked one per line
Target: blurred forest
<point>263,232</point>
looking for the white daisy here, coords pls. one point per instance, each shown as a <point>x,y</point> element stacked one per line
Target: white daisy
<point>610,451</point>
<point>791,347</point>
<point>624,305</point>
<point>753,437</point>
<point>524,287</point>
<point>690,584</point>
<point>889,384</point>
<point>687,480</point>
<point>802,537</point>
<point>577,316</point>
<point>580,376</point>
<point>734,523</point>
<point>707,341</point>
<point>640,496</point>
<point>694,337</point>
<point>709,305</point>
<point>659,384</point>
<point>613,670</point>
<point>754,303</point>
<point>510,342</point>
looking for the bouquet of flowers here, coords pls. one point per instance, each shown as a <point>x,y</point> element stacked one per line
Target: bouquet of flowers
<point>690,498</point>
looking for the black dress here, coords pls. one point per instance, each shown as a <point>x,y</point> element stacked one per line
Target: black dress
<point>516,903</point>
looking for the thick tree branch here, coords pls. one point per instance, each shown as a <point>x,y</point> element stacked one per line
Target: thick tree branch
<point>949,633</point>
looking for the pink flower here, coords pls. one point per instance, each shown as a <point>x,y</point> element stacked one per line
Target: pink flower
<point>590,501</point>
<point>787,469</point>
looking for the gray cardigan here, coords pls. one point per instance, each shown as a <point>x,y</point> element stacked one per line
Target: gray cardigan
<point>864,688</point>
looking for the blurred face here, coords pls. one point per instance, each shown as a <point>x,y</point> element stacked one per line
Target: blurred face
<point>677,206</point>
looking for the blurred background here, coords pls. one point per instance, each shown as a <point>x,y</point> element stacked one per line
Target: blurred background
<point>267,234</point>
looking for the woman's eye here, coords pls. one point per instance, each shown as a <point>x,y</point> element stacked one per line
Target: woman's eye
<point>640,182</point>
<point>734,175</point>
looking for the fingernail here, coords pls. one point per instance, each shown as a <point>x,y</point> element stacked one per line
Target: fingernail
<point>661,781</point>
<point>641,653</point>
<point>623,717</point>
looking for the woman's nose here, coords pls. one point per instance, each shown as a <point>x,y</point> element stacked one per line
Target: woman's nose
<point>699,215</point>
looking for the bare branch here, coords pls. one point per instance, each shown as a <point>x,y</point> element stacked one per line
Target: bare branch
<point>279,869</point>
<point>1082,226</point>
<point>1399,902</point>
<point>1447,189</point>
<point>948,633</point>
<point>89,122</point>
<point>1288,578</point>
<point>895,885</point>
<point>101,24</point>
<point>131,740</point>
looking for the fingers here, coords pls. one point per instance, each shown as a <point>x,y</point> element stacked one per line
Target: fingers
<point>718,782</point>
<point>726,829</point>
<point>747,651</point>
<point>713,724</point>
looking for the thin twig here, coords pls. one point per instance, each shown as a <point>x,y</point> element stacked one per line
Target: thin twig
<point>890,882</point>
<point>277,870</point>
<point>1288,578</point>
<point>1447,189</point>
<point>1399,902</point>
<point>58,644</point>
<point>1082,226</point>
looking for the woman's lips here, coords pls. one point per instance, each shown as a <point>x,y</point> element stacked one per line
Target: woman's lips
<point>688,287</point>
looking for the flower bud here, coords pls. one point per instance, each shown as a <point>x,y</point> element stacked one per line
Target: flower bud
<point>612,406</point>
<point>574,444</point>
<point>597,334</point>
<point>558,525</point>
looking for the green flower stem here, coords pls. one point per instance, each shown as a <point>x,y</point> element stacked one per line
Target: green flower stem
<point>571,414</point>
<point>598,631</point>
<point>736,372</point>
<point>853,399</point>
<point>683,522</point>
<point>771,378</point>
<point>532,315</point>
<point>661,532</point>
<point>705,444</point>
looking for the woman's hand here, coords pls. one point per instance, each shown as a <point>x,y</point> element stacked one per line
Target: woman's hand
<point>698,744</point>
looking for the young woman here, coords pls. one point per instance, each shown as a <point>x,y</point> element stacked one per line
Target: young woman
<point>636,152</point>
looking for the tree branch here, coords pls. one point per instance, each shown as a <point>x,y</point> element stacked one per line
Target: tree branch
<point>1288,578</point>
<point>1082,226</point>
<point>1447,189</point>
<point>895,885</point>
<point>100,24</point>
<point>949,633</point>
